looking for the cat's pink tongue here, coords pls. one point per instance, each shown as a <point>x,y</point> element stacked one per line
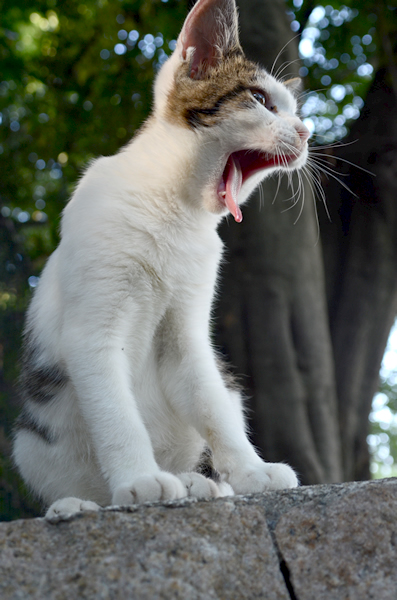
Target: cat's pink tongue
<point>234,182</point>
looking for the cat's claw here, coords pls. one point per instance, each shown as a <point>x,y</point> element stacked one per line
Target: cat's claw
<point>150,488</point>
<point>64,509</point>
<point>262,478</point>
<point>198,486</point>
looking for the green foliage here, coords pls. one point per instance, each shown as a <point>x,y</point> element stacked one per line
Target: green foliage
<point>342,45</point>
<point>76,84</point>
<point>383,437</point>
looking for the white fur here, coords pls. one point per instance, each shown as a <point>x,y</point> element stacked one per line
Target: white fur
<point>123,305</point>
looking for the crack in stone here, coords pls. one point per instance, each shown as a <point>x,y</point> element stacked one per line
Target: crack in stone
<point>284,570</point>
<point>285,573</point>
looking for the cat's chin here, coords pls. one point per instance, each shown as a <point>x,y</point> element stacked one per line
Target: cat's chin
<point>241,166</point>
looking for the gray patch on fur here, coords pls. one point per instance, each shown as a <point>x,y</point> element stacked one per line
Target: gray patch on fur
<point>39,382</point>
<point>26,422</point>
<point>206,466</point>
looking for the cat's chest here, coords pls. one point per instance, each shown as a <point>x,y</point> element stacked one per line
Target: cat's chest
<point>190,260</point>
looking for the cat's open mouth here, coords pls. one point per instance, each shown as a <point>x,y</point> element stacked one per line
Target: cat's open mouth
<point>239,167</point>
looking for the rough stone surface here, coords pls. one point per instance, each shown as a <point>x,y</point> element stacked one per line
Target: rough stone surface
<point>331,542</point>
<point>343,545</point>
<point>218,549</point>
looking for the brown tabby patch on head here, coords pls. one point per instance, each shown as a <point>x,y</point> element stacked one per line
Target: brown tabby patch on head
<point>221,90</point>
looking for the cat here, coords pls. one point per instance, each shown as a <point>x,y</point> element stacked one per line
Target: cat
<point>123,392</point>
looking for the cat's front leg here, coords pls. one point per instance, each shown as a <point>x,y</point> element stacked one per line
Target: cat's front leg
<point>202,398</point>
<point>251,474</point>
<point>103,366</point>
<point>237,461</point>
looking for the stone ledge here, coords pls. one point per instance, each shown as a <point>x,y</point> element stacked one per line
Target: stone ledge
<point>320,542</point>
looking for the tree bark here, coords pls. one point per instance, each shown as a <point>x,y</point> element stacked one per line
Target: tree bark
<point>272,316</point>
<point>360,255</point>
<point>307,323</point>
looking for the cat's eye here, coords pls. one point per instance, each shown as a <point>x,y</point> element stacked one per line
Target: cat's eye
<point>263,99</point>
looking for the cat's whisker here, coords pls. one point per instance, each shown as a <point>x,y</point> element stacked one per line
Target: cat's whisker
<point>316,181</point>
<point>285,163</point>
<point>279,173</point>
<point>281,51</point>
<point>330,173</point>
<point>313,177</point>
<point>313,91</point>
<point>310,181</point>
<point>261,197</point>
<point>295,194</point>
<point>289,147</point>
<point>284,66</point>
<point>325,163</point>
<point>315,145</point>
<point>294,198</point>
<point>337,144</point>
<point>324,157</point>
<point>301,210</point>
<point>302,188</point>
<point>306,93</point>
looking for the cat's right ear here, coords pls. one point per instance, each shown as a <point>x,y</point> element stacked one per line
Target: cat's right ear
<point>209,32</point>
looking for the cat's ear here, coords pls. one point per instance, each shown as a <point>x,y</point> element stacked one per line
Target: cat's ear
<point>294,85</point>
<point>211,28</point>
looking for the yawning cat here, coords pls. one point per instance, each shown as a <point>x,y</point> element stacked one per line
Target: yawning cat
<point>122,390</point>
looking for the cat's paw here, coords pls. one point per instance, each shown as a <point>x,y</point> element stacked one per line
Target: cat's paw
<point>225,489</point>
<point>150,488</point>
<point>263,477</point>
<point>198,486</point>
<point>64,509</point>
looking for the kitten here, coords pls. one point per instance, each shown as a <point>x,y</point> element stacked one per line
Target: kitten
<point>122,389</point>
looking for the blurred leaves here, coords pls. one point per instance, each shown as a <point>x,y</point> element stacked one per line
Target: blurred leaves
<point>383,437</point>
<point>76,82</point>
<point>342,45</point>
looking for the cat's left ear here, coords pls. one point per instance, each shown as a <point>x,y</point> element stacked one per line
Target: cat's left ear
<point>294,85</point>
<point>211,28</point>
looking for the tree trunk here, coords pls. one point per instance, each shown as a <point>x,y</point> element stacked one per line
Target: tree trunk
<point>360,254</point>
<point>272,316</point>
<point>308,325</point>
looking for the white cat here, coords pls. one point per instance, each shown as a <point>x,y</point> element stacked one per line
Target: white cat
<point>122,389</point>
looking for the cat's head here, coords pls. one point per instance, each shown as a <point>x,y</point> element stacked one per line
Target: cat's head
<point>242,120</point>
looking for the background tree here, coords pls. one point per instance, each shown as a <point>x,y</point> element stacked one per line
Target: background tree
<point>309,326</point>
<point>76,83</point>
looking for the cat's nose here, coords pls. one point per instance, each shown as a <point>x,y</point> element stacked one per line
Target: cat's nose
<point>303,132</point>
